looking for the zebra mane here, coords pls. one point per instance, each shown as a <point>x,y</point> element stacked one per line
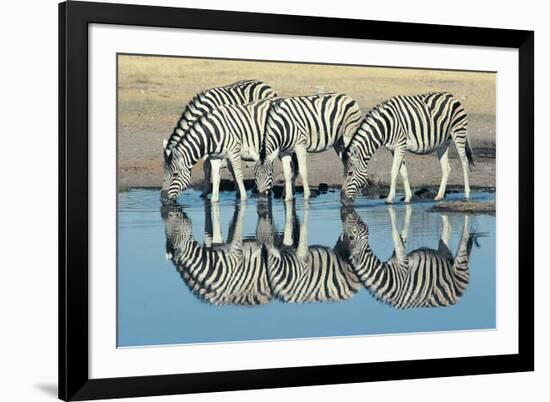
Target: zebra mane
<point>369,116</point>
<point>196,99</point>
<point>273,103</point>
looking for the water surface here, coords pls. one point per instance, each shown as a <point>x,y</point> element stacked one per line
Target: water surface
<point>163,298</point>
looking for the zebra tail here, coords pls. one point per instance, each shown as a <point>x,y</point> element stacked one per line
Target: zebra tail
<point>469,154</point>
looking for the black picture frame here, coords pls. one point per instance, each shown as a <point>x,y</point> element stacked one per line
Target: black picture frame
<point>74,18</point>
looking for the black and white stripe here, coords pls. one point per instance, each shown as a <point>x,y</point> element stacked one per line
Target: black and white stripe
<point>231,132</point>
<point>419,124</point>
<point>237,93</point>
<point>422,278</point>
<point>204,102</point>
<point>304,124</point>
<point>299,273</point>
<point>231,273</point>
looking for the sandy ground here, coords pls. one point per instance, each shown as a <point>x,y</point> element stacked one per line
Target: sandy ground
<point>153,91</point>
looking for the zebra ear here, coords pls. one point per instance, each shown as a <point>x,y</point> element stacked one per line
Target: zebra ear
<point>164,143</point>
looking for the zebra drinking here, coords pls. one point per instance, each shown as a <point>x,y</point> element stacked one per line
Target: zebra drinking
<point>232,132</point>
<point>304,124</point>
<point>204,102</point>
<point>419,124</point>
<point>421,278</point>
<point>220,273</point>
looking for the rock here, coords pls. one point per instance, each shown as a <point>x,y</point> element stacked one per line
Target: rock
<point>314,193</point>
<point>278,191</point>
<point>465,207</point>
<point>382,196</point>
<point>323,187</point>
<point>299,189</point>
<point>249,184</point>
<point>227,185</point>
<point>424,194</point>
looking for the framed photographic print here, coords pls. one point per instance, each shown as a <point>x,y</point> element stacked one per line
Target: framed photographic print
<point>257,200</point>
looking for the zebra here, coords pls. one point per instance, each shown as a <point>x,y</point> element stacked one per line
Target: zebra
<point>419,124</point>
<point>304,124</point>
<point>234,132</point>
<point>299,273</point>
<point>230,273</point>
<point>421,278</point>
<point>237,93</point>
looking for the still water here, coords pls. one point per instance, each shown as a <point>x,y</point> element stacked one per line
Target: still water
<point>235,272</point>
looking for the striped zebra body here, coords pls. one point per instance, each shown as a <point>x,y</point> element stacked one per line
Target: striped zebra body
<point>321,275</point>
<point>422,278</point>
<point>246,280</point>
<point>237,93</point>
<point>299,273</point>
<point>419,124</point>
<point>223,274</point>
<point>304,124</point>
<point>231,132</point>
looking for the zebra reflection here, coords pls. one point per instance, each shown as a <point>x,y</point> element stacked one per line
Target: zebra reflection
<point>242,271</point>
<point>422,278</point>
<point>221,273</point>
<point>299,273</point>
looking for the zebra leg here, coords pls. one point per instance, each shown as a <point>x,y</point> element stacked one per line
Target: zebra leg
<point>235,235</point>
<point>460,139</point>
<point>461,270</point>
<point>290,213</point>
<point>207,169</point>
<point>217,237</point>
<point>465,170</point>
<point>406,184</point>
<point>235,161</point>
<point>302,250</point>
<point>405,231</point>
<point>287,172</point>
<point>215,166</point>
<point>465,237</point>
<point>398,155</point>
<point>207,224</point>
<point>399,246</point>
<point>301,154</point>
<point>443,155</point>
<point>446,230</point>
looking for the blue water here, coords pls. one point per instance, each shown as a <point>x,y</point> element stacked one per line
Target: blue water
<point>157,307</point>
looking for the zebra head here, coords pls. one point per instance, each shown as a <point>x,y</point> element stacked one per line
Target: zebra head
<point>263,172</point>
<point>265,232</point>
<point>177,176</point>
<point>355,232</point>
<point>356,175</point>
<point>177,228</point>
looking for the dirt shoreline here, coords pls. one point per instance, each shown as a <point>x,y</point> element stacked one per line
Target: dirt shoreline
<point>424,171</point>
<point>153,91</point>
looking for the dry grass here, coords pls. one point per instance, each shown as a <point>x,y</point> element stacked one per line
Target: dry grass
<point>154,90</point>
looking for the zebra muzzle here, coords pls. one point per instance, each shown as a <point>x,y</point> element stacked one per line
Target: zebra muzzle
<point>345,200</point>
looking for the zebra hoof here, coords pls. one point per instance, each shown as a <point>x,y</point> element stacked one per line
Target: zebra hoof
<point>439,198</point>
<point>407,200</point>
<point>388,201</point>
